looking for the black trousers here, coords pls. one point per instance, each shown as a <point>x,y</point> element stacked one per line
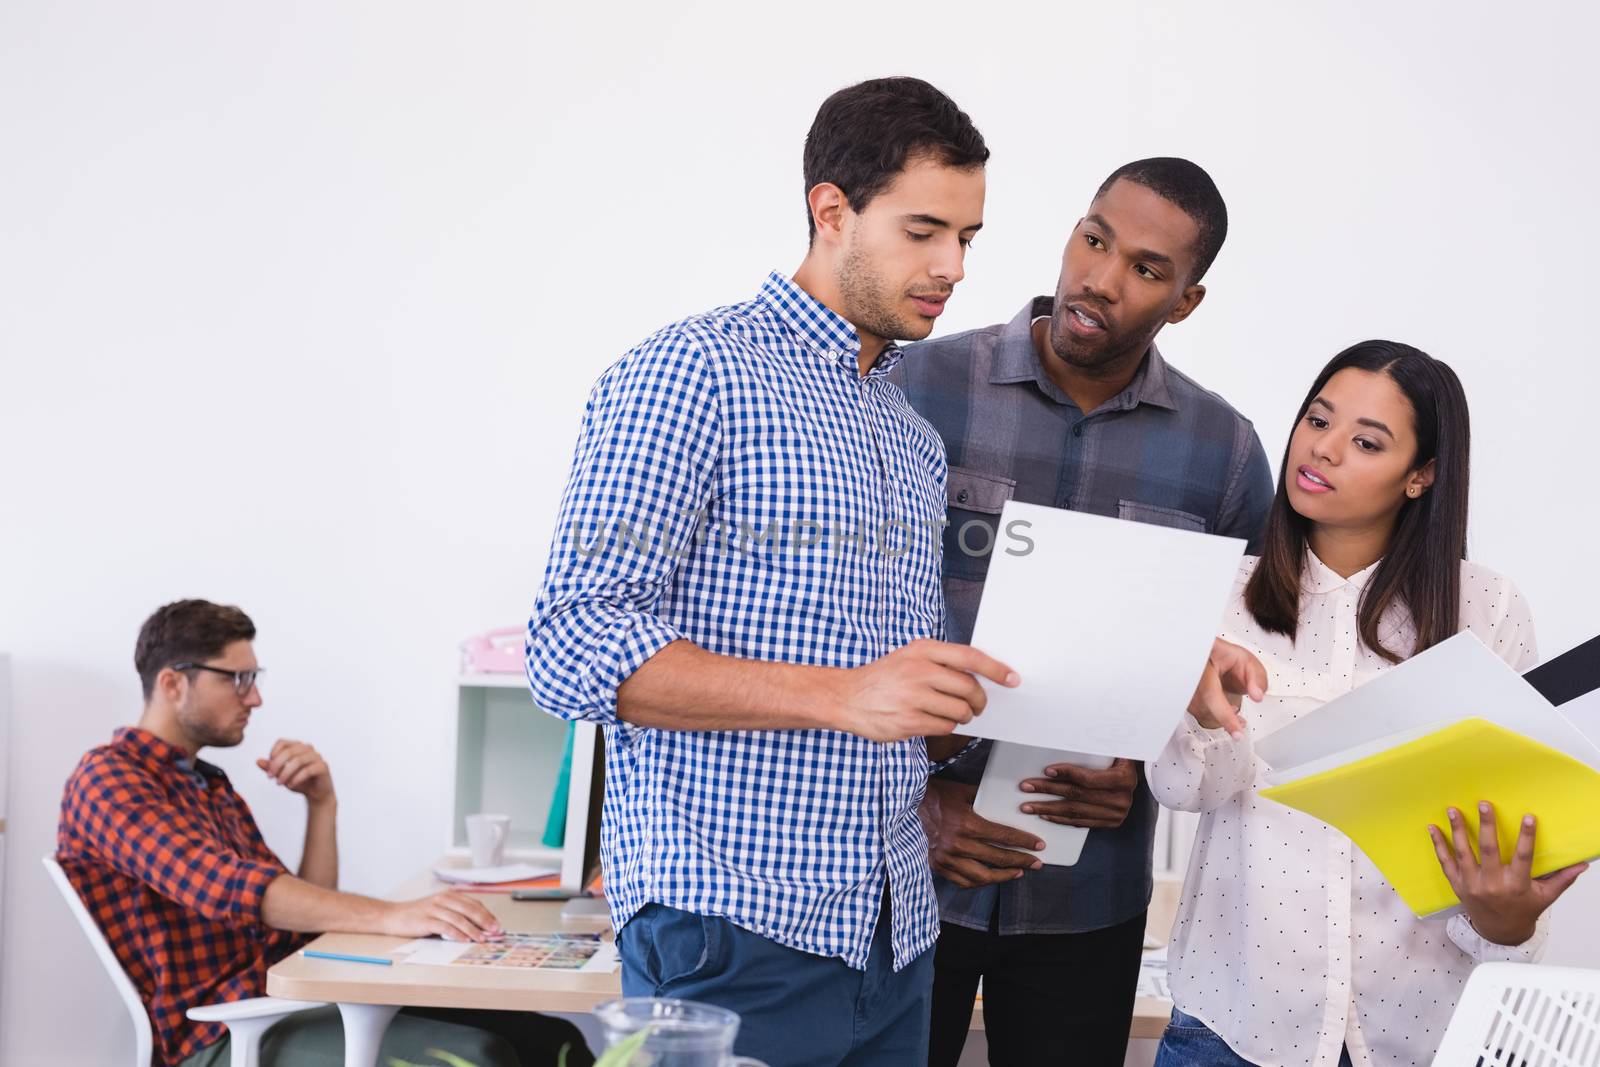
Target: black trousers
<point>1048,999</point>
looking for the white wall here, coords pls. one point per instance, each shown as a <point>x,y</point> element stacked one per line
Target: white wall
<point>299,303</point>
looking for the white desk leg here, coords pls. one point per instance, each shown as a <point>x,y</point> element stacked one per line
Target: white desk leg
<point>364,1025</point>
<point>244,1040</point>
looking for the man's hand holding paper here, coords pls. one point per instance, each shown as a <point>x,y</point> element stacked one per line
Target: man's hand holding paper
<point>923,689</point>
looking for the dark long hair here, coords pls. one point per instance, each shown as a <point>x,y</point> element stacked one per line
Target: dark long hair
<point>1421,569</point>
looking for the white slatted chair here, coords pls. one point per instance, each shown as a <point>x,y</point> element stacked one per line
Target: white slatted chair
<point>247,1020</point>
<point>1525,1015</point>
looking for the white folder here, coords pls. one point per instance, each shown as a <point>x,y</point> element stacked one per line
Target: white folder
<point>999,798</point>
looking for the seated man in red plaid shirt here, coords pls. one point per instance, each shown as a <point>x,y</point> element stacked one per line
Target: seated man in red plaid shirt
<point>196,906</point>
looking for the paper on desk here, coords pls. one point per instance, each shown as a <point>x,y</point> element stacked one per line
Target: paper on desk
<point>1456,679</point>
<point>511,872</point>
<point>604,961</point>
<point>1153,974</point>
<point>432,950</point>
<point>1109,623</point>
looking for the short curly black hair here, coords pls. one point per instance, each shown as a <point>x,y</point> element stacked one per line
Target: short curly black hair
<point>186,631</point>
<point>1187,185</point>
<point>864,135</point>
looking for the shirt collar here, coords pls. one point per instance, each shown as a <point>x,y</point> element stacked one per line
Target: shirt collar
<point>1318,577</point>
<point>158,753</point>
<point>820,328</point>
<point>1016,359</point>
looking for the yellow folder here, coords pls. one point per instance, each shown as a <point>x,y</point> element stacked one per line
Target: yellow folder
<point>1384,803</point>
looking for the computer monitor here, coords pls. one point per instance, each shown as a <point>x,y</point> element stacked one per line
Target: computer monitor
<point>580,849</point>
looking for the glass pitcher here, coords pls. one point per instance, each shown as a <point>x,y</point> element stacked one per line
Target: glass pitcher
<point>681,1033</point>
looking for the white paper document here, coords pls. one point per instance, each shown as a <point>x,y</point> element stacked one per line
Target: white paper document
<point>1000,797</point>
<point>1584,713</point>
<point>1109,623</point>
<point>511,872</point>
<point>432,950</point>
<point>1456,679</point>
<point>1153,974</point>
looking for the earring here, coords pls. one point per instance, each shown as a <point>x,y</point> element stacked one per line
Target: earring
<point>1412,491</point>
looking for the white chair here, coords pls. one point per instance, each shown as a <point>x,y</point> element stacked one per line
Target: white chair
<point>247,1020</point>
<point>1525,1015</point>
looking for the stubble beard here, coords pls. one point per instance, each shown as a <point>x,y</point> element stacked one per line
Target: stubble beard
<point>870,305</point>
<point>1107,358</point>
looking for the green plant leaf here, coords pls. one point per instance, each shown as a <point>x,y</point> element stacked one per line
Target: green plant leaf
<point>450,1058</point>
<point>620,1055</point>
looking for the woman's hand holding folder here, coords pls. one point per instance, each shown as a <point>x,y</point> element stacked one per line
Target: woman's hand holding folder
<point>1502,899</point>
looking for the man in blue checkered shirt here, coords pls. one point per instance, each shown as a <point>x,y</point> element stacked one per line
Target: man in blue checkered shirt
<point>743,588</point>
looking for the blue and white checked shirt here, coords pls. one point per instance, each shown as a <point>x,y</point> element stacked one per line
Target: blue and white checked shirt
<point>738,483</point>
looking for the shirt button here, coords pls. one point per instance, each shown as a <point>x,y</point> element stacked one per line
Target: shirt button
<point>1077,431</point>
<point>961,497</point>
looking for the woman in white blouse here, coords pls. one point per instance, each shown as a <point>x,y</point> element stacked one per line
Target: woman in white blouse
<point>1289,946</point>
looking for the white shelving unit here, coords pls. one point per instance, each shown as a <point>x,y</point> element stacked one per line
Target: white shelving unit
<point>507,759</point>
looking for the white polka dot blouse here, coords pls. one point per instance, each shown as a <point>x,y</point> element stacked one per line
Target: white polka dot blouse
<point>1289,944</point>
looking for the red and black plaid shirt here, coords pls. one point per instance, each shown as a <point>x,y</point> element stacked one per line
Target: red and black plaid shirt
<point>171,865</point>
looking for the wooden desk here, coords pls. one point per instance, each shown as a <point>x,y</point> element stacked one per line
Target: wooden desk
<point>300,978</point>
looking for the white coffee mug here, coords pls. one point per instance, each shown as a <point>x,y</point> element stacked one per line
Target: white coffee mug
<point>486,838</point>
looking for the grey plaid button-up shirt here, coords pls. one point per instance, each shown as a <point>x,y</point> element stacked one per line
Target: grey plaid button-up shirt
<point>1164,450</point>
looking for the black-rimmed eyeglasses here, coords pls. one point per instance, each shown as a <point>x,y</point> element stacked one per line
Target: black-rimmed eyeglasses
<point>243,681</point>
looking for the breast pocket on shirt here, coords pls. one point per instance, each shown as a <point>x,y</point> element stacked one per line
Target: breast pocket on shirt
<point>974,502</point>
<point>1159,516</point>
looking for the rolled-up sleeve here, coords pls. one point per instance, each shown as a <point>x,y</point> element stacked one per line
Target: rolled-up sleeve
<point>130,825</point>
<point>642,480</point>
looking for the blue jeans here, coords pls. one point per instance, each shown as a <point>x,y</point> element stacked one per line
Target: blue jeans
<point>1188,1042</point>
<point>796,1009</point>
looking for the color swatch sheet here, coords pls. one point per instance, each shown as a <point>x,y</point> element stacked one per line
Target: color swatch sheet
<point>544,951</point>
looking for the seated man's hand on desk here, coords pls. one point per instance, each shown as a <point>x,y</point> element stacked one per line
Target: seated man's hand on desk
<point>452,916</point>
<point>294,904</point>
<point>963,846</point>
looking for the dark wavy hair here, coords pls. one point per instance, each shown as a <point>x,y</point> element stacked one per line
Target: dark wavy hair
<point>186,631</point>
<point>864,135</point>
<point>1421,568</point>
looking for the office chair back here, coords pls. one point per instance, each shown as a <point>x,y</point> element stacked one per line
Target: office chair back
<point>108,960</point>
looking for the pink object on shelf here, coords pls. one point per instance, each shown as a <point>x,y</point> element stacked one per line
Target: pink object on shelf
<point>494,652</point>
